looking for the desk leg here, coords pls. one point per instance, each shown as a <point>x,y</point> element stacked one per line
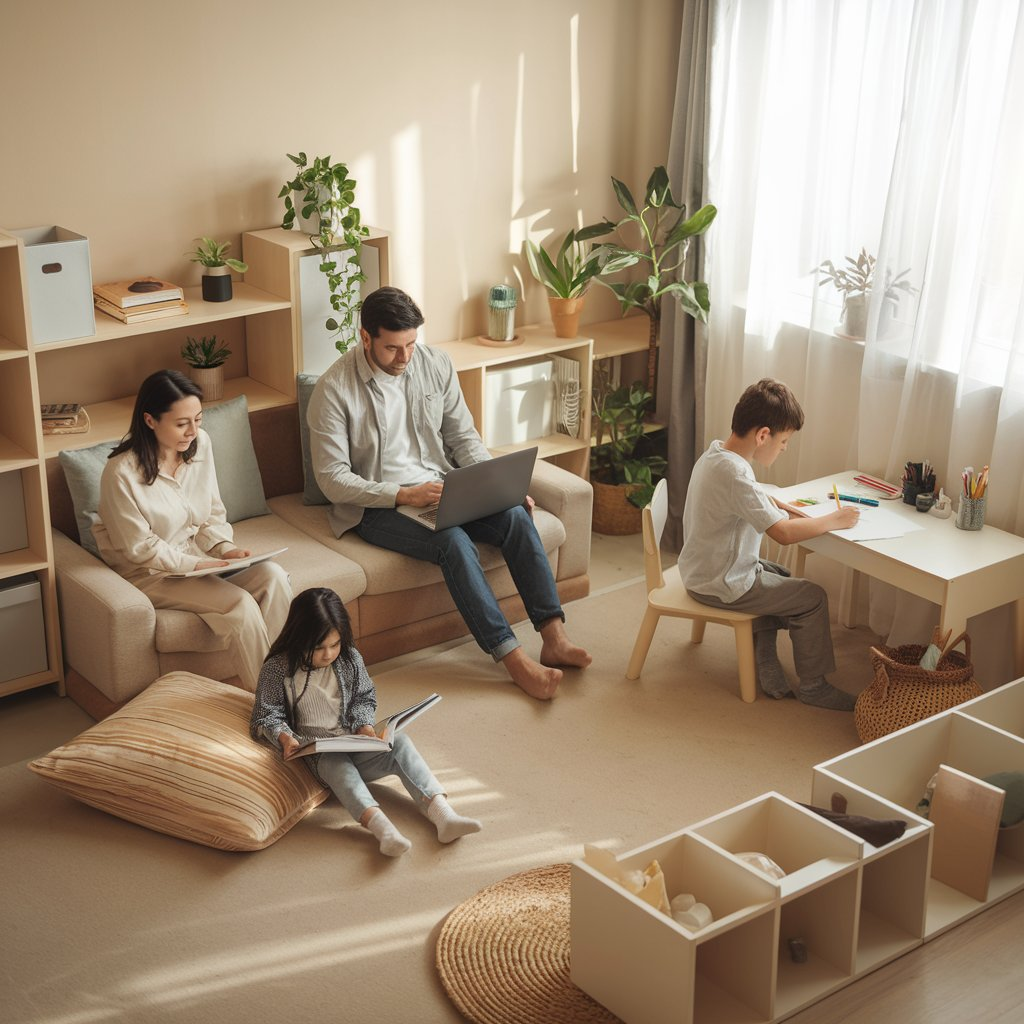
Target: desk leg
<point>952,617</point>
<point>849,598</point>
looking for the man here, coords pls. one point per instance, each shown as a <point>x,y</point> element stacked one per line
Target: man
<point>386,422</point>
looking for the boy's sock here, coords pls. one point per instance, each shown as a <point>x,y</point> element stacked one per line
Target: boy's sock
<point>392,842</point>
<point>822,694</point>
<point>770,673</point>
<point>449,824</point>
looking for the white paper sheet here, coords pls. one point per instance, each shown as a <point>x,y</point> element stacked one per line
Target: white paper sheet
<point>874,523</point>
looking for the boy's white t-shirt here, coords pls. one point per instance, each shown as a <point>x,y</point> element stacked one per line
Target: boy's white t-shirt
<point>725,515</point>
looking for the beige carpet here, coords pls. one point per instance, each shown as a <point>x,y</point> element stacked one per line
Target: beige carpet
<point>105,921</point>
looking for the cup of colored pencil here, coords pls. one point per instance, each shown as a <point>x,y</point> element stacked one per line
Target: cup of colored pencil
<point>970,513</point>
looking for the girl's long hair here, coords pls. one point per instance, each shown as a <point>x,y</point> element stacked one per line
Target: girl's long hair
<point>311,616</point>
<point>159,391</point>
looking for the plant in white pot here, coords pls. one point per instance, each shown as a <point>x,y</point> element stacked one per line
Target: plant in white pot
<point>854,282</point>
<point>217,267</point>
<point>320,200</point>
<point>568,276</point>
<point>205,358</point>
<point>660,233</point>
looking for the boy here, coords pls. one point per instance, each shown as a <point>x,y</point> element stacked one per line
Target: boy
<point>725,515</point>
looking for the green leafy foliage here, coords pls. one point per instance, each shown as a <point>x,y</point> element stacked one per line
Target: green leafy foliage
<point>211,254</point>
<point>569,274</point>
<point>204,353</point>
<point>328,194</point>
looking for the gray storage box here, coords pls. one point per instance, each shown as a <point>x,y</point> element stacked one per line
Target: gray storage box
<point>59,284</point>
<point>22,635</point>
<point>13,526</point>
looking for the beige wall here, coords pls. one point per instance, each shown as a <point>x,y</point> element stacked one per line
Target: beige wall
<point>466,124</point>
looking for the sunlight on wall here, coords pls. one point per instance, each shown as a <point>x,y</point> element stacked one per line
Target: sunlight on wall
<point>574,88</point>
<point>407,205</point>
<point>517,193</point>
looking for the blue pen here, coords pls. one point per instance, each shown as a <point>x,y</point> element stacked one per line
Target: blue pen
<point>859,501</point>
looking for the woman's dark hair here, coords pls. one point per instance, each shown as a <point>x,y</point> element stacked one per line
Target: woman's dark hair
<point>159,391</point>
<point>311,616</point>
<point>391,309</point>
<point>768,403</point>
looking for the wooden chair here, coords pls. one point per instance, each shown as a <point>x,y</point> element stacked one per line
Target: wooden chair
<point>669,597</point>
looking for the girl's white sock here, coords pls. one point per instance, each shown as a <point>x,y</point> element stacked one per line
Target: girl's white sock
<point>392,842</point>
<point>449,824</point>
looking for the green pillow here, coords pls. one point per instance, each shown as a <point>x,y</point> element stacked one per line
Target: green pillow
<point>311,493</point>
<point>238,473</point>
<point>82,470</point>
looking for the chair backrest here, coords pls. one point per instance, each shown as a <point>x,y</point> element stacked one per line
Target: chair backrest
<point>654,517</point>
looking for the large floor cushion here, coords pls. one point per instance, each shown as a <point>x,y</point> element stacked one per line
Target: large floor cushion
<point>179,759</point>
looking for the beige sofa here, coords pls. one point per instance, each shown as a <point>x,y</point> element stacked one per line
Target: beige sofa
<point>116,643</point>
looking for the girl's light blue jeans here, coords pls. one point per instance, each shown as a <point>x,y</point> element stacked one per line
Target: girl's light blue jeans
<point>346,775</point>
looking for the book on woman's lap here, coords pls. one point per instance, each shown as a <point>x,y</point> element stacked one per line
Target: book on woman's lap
<point>354,743</point>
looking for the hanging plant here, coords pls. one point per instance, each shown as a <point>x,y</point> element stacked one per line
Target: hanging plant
<point>323,192</point>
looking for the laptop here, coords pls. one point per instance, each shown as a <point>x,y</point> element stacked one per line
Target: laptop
<point>472,492</point>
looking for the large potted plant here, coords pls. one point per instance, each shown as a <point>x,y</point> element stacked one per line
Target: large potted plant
<point>567,276</point>
<point>655,237</point>
<point>320,200</point>
<point>854,282</point>
<point>625,462</point>
<point>217,267</point>
<point>205,358</point>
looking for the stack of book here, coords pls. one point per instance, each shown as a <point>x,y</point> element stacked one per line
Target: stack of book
<point>64,418</point>
<point>147,298</point>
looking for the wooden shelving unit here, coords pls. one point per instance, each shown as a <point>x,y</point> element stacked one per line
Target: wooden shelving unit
<point>854,906</point>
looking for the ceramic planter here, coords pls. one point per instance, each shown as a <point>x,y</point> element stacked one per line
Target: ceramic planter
<point>216,284</point>
<point>565,315</point>
<point>209,380</point>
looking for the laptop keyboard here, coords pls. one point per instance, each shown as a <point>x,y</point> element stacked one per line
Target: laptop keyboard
<point>429,515</point>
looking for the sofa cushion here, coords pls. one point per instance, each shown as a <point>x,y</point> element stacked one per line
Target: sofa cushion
<point>311,493</point>
<point>178,759</point>
<point>385,571</point>
<point>82,470</point>
<point>238,473</point>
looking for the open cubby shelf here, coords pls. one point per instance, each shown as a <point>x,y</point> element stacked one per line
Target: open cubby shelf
<point>854,906</point>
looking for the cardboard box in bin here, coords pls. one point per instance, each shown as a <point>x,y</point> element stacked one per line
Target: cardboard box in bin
<point>59,279</point>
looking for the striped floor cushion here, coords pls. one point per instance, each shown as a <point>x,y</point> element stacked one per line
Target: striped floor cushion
<point>178,759</point>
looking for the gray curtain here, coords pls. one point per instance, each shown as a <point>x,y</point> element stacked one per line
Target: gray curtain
<point>683,357</point>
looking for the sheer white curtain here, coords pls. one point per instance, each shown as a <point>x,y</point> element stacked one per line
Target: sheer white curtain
<point>896,127</point>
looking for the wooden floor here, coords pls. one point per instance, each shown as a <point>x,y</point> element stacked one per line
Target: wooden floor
<point>972,974</point>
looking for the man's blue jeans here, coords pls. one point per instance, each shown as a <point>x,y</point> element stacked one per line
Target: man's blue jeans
<point>454,551</point>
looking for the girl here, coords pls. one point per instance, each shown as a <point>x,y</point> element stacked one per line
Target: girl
<point>314,684</point>
<point>160,512</point>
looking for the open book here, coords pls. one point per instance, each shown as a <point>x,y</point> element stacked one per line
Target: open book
<point>233,566</point>
<point>350,743</point>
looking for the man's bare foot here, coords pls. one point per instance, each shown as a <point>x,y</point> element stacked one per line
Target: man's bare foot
<point>558,650</point>
<point>538,681</point>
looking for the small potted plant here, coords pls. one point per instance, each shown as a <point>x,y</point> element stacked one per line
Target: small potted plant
<point>854,282</point>
<point>625,462</point>
<point>217,268</point>
<point>567,277</point>
<point>205,358</point>
<point>320,200</point>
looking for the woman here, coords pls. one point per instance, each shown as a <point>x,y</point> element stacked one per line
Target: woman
<point>160,512</point>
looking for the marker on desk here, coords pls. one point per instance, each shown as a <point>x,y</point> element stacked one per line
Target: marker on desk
<point>859,501</point>
<point>835,491</point>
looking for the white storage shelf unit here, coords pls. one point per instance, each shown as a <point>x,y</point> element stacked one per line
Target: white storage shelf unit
<point>854,906</point>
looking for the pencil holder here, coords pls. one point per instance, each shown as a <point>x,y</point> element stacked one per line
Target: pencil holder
<point>970,514</point>
<point>910,492</point>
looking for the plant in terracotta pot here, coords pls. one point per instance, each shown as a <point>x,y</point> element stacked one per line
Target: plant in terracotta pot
<point>854,282</point>
<point>625,463</point>
<point>320,200</point>
<point>217,267</point>
<point>567,277</point>
<point>205,358</point>
<point>661,234</point>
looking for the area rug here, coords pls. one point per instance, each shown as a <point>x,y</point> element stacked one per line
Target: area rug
<point>503,954</point>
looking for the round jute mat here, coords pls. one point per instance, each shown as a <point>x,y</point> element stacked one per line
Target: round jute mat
<point>503,955</point>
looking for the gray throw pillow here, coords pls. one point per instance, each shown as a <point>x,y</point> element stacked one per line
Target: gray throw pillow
<point>311,493</point>
<point>238,472</point>
<point>82,470</point>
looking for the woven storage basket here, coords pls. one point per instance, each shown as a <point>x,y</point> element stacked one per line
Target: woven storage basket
<point>903,692</point>
<point>614,514</point>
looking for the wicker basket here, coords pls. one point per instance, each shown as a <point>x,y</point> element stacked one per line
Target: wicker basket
<point>903,692</point>
<point>614,513</point>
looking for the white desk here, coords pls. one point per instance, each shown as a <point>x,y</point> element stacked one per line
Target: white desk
<point>963,572</point>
